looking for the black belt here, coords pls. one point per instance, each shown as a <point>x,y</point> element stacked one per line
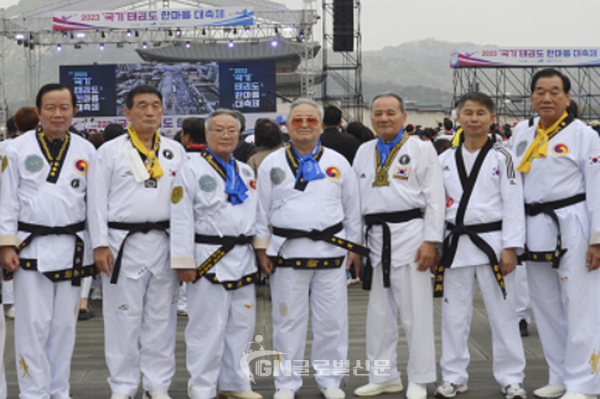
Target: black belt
<point>61,275</point>
<point>226,242</point>
<point>307,263</point>
<point>71,229</point>
<point>451,244</point>
<point>382,219</point>
<point>548,208</point>
<point>326,235</point>
<point>132,228</point>
<point>234,284</point>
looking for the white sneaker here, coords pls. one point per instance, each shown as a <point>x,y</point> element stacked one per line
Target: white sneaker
<point>239,395</point>
<point>96,294</point>
<point>155,395</point>
<point>119,396</point>
<point>514,391</point>
<point>333,393</point>
<point>574,395</point>
<point>416,391</point>
<point>284,393</point>
<point>373,389</point>
<point>449,390</point>
<point>550,391</point>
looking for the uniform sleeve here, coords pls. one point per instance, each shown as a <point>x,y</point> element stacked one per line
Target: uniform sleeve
<point>9,202</point>
<point>263,187</point>
<point>590,165</point>
<point>430,178</point>
<point>513,209</point>
<point>183,218</point>
<point>98,184</point>
<point>351,203</point>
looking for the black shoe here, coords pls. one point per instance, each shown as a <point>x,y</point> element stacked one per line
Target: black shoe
<point>523,328</point>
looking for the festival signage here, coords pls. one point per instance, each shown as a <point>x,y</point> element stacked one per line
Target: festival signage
<point>525,57</point>
<point>140,19</point>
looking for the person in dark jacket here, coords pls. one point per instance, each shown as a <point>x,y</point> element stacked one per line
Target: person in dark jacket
<point>333,138</point>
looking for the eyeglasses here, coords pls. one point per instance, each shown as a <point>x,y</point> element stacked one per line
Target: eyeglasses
<point>300,120</point>
<point>222,132</point>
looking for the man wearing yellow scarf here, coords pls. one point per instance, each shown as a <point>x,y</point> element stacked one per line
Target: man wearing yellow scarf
<point>559,157</point>
<point>129,195</point>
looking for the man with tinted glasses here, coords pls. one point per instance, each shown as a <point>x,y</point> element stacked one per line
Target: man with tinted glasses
<point>311,198</point>
<point>402,201</point>
<point>559,157</point>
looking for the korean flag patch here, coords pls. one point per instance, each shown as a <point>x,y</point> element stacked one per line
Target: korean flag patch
<point>595,160</point>
<point>402,172</point>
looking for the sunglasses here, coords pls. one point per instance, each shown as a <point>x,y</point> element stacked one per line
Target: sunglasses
<point>310,121</point>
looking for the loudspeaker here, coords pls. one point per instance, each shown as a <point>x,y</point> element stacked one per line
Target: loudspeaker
<point>343,25</point>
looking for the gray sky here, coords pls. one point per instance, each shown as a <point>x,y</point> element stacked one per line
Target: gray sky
<point>518,23</point>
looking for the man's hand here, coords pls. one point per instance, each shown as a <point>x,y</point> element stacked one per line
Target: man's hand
<point>508,261</point>
<point>593,257</point>
<point>353,259</point>
<point>187,275</point>
<point>103,258</point>
<point>265,263</point>
<point>9,258</point>
<point>426,256</point>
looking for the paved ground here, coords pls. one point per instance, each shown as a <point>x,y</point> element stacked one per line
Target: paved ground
<point>89,372</point>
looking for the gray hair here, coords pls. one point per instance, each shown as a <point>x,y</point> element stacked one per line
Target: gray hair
<point>388,94</point>
<point>223,111</point>
<point>307,101</point>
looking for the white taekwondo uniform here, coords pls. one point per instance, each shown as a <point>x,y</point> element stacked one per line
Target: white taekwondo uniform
<point>222,311</point>
<point>47,315</point>
<point>496,196</point>
<point>565,300</point>
<point>323,203</point>
<point>140,310</point>
<point>415,182</point>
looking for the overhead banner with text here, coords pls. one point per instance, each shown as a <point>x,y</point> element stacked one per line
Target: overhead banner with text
<point>524,57</point>
<point>138,19</point>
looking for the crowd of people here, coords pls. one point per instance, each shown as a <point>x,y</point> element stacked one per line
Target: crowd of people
<point>163,221</point>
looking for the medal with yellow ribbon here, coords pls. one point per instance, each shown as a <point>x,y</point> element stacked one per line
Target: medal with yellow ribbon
<point>381,174</point>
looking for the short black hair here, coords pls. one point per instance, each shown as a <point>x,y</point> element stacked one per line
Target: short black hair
<point>11,127</point>
<point>195,128</point>
<point>112,130</point>
<point>573,109</point>
<point>53,87</point>
<point>388,94</point>
<point>143,89</point>
<point>448,125</point>
<point>332,116</point>
<point>548,73</point>
<point>477,97</point>
<point>267,134</point>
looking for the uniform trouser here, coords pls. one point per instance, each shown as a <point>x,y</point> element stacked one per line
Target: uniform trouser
<point>140,322</point>
<point>86,285</point>
<point>182,299</point>
<point>411,294</point>
<point>221,324</point>
<point>457,310</point>
<point>2,340</point>
<point>328,301</point>
<point>522,301</point>
<point>7,293</point>
<point>567,312</point>
<point>44,334</point>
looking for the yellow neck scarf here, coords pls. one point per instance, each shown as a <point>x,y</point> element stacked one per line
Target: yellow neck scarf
<point>539,146</point>
<point>457,136</point>
<point>151,162</point>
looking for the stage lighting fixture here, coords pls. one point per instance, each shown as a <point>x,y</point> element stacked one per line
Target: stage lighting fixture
<point>247,29</point>
<point>231,44</point>
<point>19,36</point>
<point>101,46</point>
<point>102,35</point>
<point>234,31</point>
<point>80,35</point>
<point>203,32</point>
<point>276,31</point>
<point>274,43</point>
<point>188,45</point>
<point>129,33</point>
<point>31,45</point>
<point>19,42</point>
<point>64,35</point>
<point>71,34</point>
<point>169,32</point>
<point>301,35</point>
<point>58,47</point>
<point>25,43</point>
<point>137,34</point>
<point>144,45</point>
<point>178,32</point>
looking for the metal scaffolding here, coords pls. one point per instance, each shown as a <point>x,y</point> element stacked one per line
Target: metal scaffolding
<point>509,87</point>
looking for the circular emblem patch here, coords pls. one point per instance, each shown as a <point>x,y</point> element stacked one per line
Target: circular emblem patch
<point>80,166</point>
<point>560,149</point>
<point>521,147</point>
<point>207,183</point>
<point>4,163</point>
<point>176,194</point>
<point>75,183</point>
<point>404,159</point>
<point>277,176</point>
<point>332,173</point>
<point>251,183</point>
<point>34,163</point>
<point>168,154</point>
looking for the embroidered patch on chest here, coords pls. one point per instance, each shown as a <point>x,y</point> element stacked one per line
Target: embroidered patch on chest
<point>176,194</point>
<point>521,147</point>
<point>251,183</point>
<point>333,173</point>
<point>401,172</point>
<point>560,149</point>
<point>34,163</point>
<point>277,176</point>
<point>207,183</point>
<point>595,160</point>
<point>80,166</point>
<point>404,159</point>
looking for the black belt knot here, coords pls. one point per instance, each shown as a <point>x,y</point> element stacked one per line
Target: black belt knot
<point>132,228</point>
<point>382,219</point>
<point>227,243</point>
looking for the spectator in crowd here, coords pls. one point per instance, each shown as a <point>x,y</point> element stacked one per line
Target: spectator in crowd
<point>360,131</point>
<point>333,138</point>
<point>112,130</point>
<point>267,138</point>
<point>26,119</point>
<point>244,149</point>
